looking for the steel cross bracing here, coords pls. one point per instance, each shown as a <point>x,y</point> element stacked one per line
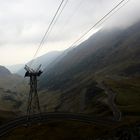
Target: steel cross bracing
<point>33,106</point>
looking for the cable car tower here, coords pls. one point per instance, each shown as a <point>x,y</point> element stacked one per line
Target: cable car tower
<point>33,106</point>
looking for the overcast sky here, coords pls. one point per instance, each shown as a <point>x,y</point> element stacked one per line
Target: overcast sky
<point>23,23</point>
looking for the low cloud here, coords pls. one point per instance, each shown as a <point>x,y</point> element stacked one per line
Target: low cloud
<point>23,23</point>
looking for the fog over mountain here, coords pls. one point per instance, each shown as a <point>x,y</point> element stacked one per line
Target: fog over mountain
<point>21,30</point>
<point>45,60</point>
<point>15,68</point>
<point>100,51</point>
<point>73,82</point>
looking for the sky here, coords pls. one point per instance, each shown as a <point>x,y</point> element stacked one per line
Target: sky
<point>24,22</point>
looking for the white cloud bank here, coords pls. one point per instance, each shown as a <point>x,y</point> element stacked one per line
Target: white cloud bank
<point>23,23</point>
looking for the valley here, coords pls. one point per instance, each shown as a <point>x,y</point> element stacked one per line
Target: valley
<point>13,94</point>
<point>100,78</point>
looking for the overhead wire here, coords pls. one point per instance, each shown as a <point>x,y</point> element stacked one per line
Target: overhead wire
<point>58,16</point>
<point>61,12</point>
<point>102,20</point>
<point>78,6</point>
<point>114,12</point>
<point>71,16</point>
<point>47,31</point>
<point>99,23</point>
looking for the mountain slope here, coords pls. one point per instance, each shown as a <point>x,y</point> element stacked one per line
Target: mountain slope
<point>107,52</point>
<point>4,71</point>
<point>15,68</point>
<point>44,60</point>
<point>13,93</point>
<point>111,56</point>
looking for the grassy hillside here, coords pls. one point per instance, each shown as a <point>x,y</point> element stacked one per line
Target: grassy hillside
<point>13,94</point>
<point>128,94</point>
<point>112,56</point>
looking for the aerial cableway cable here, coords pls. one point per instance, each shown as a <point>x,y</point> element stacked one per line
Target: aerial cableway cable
<point>113,13</point>
<point>78,6</point>
<point>102,20</point>
<point>56,19</point>
<point>60,13</point>
<point>47,31</point>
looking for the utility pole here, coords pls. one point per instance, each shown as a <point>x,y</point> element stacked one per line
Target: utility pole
<point>33,106</point>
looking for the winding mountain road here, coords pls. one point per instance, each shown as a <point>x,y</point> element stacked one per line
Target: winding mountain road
<point>111,100</point>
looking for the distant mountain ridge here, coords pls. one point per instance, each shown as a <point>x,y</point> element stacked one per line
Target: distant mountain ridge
<point>13,91</point>
<point>44,60</point>
<point>4,71</point>
<point>15,68</point>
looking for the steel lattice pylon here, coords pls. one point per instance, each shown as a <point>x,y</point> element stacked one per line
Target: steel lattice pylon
<point>33,106</point>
